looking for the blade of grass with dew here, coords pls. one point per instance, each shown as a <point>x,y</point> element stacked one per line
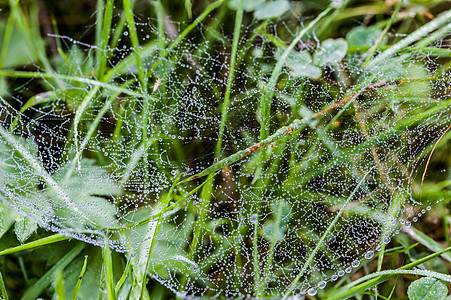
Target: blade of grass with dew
<point>111,87</point>
<point>323,238</point>
<point>426,241</point>
<point>39,286</point>
<point>208,187</point>
<point>355,287</point>
<point>123,277</point>
<point>100,25</point>
<point>135,43</point>
<point>78,114</point>
<point>440,20</point>
<point>34,244</point>
<point>230,80</point>
<point>392,212</point>
<point>163,204</point>
<point>92,127</point>
<point>102,44</point>
<point>80,278</point>
<point>161,33</point>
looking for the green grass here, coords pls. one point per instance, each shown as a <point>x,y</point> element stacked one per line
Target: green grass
<point>163,149</point>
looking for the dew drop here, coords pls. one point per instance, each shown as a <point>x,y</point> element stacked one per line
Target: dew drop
<point>312,292</point>
<point>369,254</point>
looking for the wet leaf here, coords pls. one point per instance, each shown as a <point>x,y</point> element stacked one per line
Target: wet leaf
<point>427,288</point>
<point>330,52</point>
<point>272,9</point>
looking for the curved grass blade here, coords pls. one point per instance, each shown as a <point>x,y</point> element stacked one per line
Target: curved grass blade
<point>357,287</point>
<point>108,86</point>
<point>80,278</point>
<point>442,19</point>
<point>230,79</point>
<point>108,269</point>
<point>36,289</point>
<point>3,288</point>
<point>34,244</point>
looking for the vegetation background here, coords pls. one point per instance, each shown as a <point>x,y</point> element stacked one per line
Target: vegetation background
<point>38,37</point>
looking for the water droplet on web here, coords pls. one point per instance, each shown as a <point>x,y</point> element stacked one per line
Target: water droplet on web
<point>312,291</point>
<point>369,255</point>
<point>297,187</point>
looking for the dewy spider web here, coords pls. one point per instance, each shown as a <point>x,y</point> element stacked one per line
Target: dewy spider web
<point>101,160</point>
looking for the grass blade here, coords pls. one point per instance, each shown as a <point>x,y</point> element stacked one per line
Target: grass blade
<point>355,287</point>
<point>230,79</point>
<point>36,289</point>
<point>80,278</point>
<point>108,269</point>
<point>34,244</point>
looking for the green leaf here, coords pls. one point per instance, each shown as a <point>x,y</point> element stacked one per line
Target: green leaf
<point>4,90</point>
<point>272,9</point>
<point>24,228</point>
<point>300,64</point>
<point>330,52</point>
<point>20,50</point>
<point>7,217</point>
<point>248,5</point>
<point>308,70</point>
<point>273,232</point>
<point>89,189</point>
<point>363,36</point>
<point>427,288</point>
<point>415,88</point>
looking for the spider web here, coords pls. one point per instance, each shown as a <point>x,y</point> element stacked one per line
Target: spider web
<point>260,221</point>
